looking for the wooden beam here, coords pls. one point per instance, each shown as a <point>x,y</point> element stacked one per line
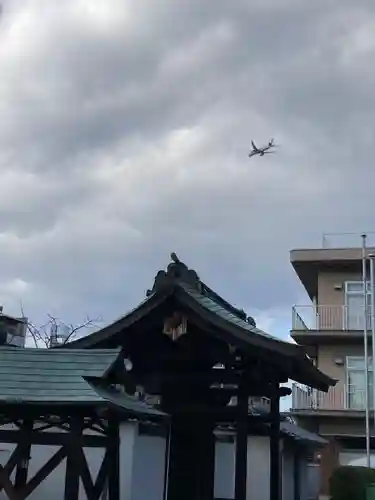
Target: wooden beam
<point>44,472</point>
<point>208,459</point>
<point>12,494</point>
<point>52,438</point>
<point>84,471</point>
<point>240,481</point>
<point>216,375</point>
<point>71,489</point>
<point>297,473</point>
<point>219,414</point>
<point>114,459</point>
<point>166,461</point>
<point>275,469</point>
<point>11,463</point>
<point>25,447</point>
<point>259,390</point>
<point>101,478</point>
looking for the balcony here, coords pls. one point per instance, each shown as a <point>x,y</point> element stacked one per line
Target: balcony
<point>337,399</point>
<point>329,318</point>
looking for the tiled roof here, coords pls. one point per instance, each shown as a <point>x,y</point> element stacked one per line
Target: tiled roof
<point>43,375</point>
<point>292,430</point>
<point>184,284</point>
<point>300,434</point>
<point>224,313</point>
<point>129,403</point>
<point>62,376</point>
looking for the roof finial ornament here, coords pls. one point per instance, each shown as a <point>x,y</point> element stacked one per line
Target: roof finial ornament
<point>174,258</point>
<point>176,271</point>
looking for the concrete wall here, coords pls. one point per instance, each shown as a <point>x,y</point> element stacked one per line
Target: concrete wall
<point>344,427</point>
<point>331,300</point>
<point>327,295</point>
<point>327,355</point>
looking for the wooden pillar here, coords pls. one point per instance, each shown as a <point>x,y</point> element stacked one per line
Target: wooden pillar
<point>25,449</point>
<point>207,465</point>
<point>191,461</point>
<point>72,472</point>
<point>240,483</point>
<point>184,457</point>
<point>297,473</point>
<point>166,461</point>
<point>113,458</point>
<point>275,469</point>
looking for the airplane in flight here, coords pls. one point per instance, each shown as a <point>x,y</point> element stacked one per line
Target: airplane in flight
<point>263,150</point>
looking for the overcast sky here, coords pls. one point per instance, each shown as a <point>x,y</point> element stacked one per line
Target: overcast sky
<point>124,133</point>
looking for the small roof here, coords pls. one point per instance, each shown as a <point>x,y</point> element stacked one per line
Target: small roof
<point>62,377</point>
<point>292,430</point>
<point>299,434</point>
<point>12,319</point>
<point>229,322</point>
<point>289,430</point>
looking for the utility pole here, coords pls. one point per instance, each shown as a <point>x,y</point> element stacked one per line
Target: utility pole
<point>372,288</point>
<point>365,344</point>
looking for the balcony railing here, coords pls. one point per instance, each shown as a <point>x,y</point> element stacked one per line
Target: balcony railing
<point>334,318</point>
<point>347,240</point>
<point>337,398</point>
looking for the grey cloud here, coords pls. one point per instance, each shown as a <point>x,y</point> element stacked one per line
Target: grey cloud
<point>127,136</point>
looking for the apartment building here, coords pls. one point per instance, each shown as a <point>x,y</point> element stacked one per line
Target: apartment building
<point>331,327</point>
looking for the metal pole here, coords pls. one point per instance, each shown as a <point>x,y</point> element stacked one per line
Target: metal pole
<point>372,286</point>
<point>365,342</point>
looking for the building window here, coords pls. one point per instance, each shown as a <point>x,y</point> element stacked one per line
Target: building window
<point>354,305</point>
<point>355,382</point>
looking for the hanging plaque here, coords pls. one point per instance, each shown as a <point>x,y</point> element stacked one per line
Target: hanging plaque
<point>175,326</point>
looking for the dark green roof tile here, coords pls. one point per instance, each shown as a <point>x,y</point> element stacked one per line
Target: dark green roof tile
<point>62,376</point>
<point>127,402</point>
<point>55,376</point>
<point>225,314</point>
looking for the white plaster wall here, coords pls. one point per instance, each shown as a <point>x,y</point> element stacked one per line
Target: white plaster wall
<point>224,470</point>
<point>128,438</point>
<point>148,468</point>
<point>258,468</point>
<point>5,451</point>
<point>304,478</point>
<point>141,467</point>
<point>288,471</point>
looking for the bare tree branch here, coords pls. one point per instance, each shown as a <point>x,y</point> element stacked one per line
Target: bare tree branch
<point>47,334</point>
<point>74,329</point>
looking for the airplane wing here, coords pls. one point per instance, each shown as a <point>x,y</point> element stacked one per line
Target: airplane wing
<point>254,147</point>
<point>268,152</point>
